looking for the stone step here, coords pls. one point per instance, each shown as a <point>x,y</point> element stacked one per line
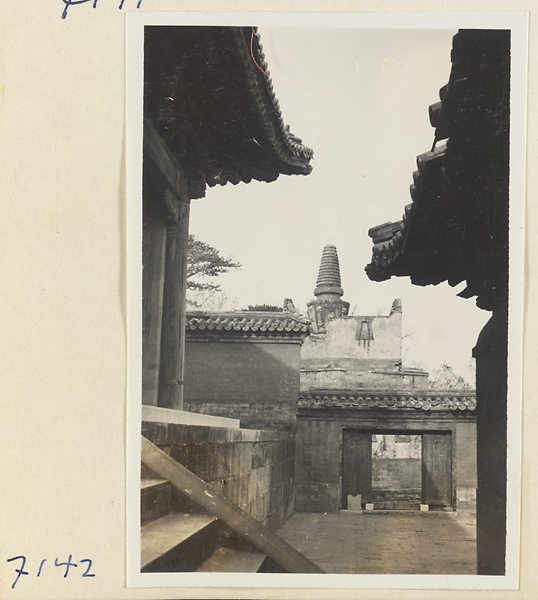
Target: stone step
<point>228,560</point>
<point>177,542</point>
<point>178,502</point>
<point>155,497</point>
<point>231,516</point>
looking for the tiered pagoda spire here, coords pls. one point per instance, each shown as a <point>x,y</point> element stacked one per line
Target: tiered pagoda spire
<point>329,282</point>
<point>328,292</point>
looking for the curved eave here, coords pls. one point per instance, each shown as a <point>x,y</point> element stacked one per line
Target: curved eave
<point>457,221</point>
<point>216,110</point>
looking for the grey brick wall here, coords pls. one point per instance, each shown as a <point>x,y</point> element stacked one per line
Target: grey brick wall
<point>255,469</point>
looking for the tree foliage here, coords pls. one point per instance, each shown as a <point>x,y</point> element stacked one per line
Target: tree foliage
<point>264,308</point>
<point>204,262</point>
<point>445,378</point>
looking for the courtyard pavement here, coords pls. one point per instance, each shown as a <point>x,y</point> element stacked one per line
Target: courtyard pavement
<point>387,542</point>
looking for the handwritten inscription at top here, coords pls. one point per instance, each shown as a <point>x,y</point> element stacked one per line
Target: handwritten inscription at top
<point>69,3</point>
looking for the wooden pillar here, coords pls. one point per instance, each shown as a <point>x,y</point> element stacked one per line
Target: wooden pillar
<point>491,404</point>
<point>174,299</point>
<point>153,261</point>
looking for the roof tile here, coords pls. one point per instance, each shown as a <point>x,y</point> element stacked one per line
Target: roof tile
<point>246,321</point>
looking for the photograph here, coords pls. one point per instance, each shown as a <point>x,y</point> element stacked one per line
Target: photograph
<point>267,315</point>
<point>323,244</point>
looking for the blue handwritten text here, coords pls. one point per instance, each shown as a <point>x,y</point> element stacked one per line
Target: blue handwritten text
<point>69,3</point>
<point>69,564</point>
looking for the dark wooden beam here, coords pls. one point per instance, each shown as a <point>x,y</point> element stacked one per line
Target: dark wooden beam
<point>156,149</point>
<point>244,525</point>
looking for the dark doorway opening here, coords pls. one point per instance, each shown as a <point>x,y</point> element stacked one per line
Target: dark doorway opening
<point>394,470</point>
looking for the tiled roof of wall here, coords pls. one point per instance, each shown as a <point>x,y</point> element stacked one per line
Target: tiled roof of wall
<point>428,400</point>
<point>275,323</point>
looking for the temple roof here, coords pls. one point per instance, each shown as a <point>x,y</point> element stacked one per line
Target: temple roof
<point>456,227</point>
<point>276,323</point>
<point>208,93</point>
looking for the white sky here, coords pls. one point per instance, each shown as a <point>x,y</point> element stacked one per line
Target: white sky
<point>359,99</point>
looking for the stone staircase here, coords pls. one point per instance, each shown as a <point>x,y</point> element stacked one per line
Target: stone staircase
<point>188,526</point>
<point>178,537</point>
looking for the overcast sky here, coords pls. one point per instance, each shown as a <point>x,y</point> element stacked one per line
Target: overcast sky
<point>359,98</point>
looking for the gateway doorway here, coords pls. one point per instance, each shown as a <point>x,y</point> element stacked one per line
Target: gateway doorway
<point>397,470</point>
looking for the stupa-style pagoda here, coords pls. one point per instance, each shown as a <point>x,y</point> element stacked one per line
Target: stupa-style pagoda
<point>328,303</point>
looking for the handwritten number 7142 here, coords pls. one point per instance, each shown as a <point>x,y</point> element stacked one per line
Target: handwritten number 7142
<point>68,565</point>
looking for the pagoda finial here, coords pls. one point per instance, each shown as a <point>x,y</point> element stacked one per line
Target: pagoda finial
<point>328,281</point>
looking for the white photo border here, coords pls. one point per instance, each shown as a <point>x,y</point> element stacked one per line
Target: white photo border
<point>517,22</point>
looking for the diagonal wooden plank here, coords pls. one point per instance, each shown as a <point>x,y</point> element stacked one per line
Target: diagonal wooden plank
<point>236,519</point>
